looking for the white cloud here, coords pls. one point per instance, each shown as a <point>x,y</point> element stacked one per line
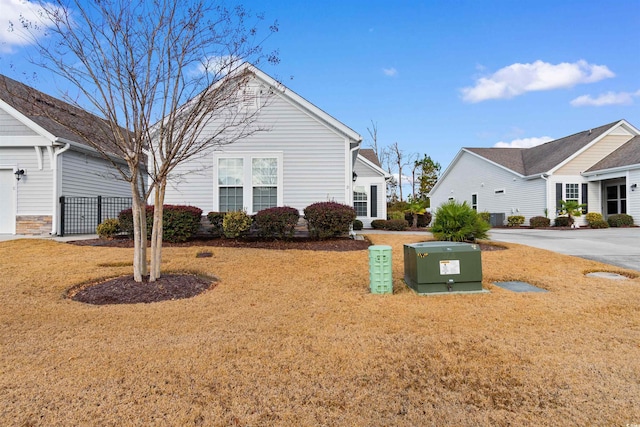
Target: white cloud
<point>12,33</point>
<point>517,79</point>
<point>217,65</point>
<point>609,98</point>
<point>391,72</point>
<point>523,142</point>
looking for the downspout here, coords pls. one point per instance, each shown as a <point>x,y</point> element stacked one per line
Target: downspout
<point>546,192</point>
<point>56,196</point>
<point>352,161</point>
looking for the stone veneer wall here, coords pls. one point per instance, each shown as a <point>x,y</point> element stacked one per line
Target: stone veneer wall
<point>33,224</point>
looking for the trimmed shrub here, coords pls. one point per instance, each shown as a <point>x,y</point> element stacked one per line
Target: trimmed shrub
<point>515,220</point>
<point>562,221</point>
<point>379,224</point>
<point>593,216</point>
<point>620,220</point>
<point>236,224</point>
<point>539,222</point>
<point>328,219</point>
<point>395,215</point>
<point>486,216</point>
<point>216,218</point>
<point>108,228</point>
<point>278,222</point>
<point>599,224</point>
<point>396,225</point>
<point>458,222</point>
<point>423,219</point>
<point>179,222</point>
<point>357,224</point>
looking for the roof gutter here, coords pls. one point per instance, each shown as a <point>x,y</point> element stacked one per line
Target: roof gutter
<point>56,180</point>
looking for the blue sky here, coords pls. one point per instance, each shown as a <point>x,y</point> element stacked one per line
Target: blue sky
<point>436,76</point>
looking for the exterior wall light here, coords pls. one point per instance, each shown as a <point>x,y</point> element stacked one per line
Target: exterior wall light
<point>19,174</point>
<point>633,187</point>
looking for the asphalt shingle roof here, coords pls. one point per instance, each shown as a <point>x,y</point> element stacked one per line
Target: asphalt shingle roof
<point>59,118</point>
<point>370,155</point>
<point>544,157</point>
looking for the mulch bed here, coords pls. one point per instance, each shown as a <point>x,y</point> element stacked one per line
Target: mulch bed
<point>124,290</point>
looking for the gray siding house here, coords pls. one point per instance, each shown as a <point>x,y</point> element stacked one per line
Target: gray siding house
<point>303,156</point>
<point>40,146</point>
<point>599,167</point>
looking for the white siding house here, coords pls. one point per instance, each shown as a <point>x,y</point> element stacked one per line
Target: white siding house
<point>599,167</point>
<point>49,159</point>
<point>300,156</point>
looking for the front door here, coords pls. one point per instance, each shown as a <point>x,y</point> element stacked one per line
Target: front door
<point>616,199</point>
<point>7,202</point>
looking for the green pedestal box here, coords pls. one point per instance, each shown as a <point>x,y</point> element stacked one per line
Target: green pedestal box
<point>380,272</point>
<point>443,267</point>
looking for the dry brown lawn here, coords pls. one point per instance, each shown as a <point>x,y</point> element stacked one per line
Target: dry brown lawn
<point>295,338</point>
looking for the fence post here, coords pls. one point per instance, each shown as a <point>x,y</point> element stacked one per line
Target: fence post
<point>62,216</point>
<point>99,210</point>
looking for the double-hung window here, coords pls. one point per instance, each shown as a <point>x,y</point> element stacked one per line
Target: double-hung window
<point>249,181</point>
<point>360,200</point>
<point>230,184</point>
<point>572,192</point>
<point>264,176</point>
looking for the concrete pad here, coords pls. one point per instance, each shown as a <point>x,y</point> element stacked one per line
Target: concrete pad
<point>516,286</point>
<point>607,275</point>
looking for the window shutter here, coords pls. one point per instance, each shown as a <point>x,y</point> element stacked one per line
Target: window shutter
<point>374,201</point>
<point>585,198</point>
<point>558,195</point>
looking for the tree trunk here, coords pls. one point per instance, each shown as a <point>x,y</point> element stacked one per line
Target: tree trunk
<point>139,213</point>
<point>156,234</point>
<point>415,220</point>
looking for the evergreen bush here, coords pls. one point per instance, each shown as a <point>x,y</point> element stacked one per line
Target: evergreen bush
<point>396,225</point>
<point>108,228</point>
<point>328,219</point>
<point>620,220</point>
<point>379,224</point>
<point>216,218</point>
<point>458,222</point>
<point>278,222</point>
<point>179,222</point>
<point>357,224</point>
<point>515,220</point>
<point>563,221</point>
<point>236,224</point>
<point>539,222</point>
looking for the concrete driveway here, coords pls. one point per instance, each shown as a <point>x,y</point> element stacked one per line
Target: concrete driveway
<point>615,246</point>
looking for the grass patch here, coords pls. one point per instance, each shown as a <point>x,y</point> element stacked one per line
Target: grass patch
<point>295,338</point>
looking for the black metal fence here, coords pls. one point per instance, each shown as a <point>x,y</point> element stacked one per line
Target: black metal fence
<point>81,215</point>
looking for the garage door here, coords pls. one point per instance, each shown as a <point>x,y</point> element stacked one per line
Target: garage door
<point>7,201</point>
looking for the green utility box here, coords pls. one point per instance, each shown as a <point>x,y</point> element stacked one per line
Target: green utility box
<point>380,272</point>
<point>443,267</point>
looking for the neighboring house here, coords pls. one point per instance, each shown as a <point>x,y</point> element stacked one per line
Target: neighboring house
<point>38,146</point>
<point>599,167</point>
<point>370,187</point>
<point>303,156</point>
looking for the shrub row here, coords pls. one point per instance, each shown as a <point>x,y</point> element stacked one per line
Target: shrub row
<point>423,219</point>
<point>178,222</point>
<point>389,224</point>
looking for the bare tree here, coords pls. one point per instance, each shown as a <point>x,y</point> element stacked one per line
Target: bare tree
<point>166,78</point>
<point>373,133</point>
<point>400,160</point>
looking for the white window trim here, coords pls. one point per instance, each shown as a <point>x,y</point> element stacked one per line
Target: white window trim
<point>476,205</point>
<point>367,190</point>
<point>247,182</point>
